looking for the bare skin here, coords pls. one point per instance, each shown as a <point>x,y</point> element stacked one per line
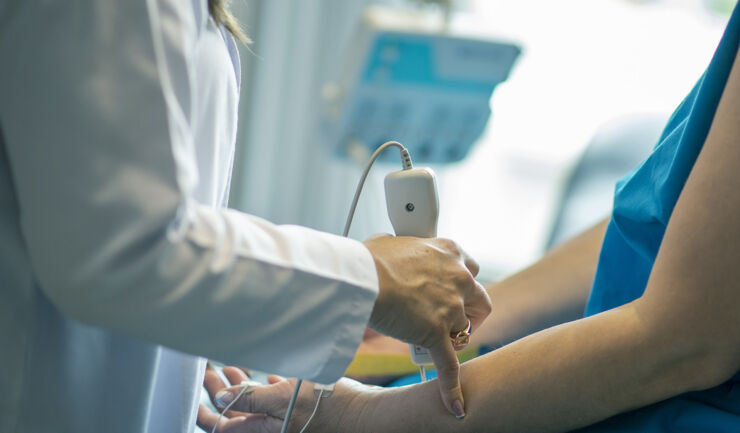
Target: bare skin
<point>428,290</point>
<point>683,334</point>
<point>554,290</point>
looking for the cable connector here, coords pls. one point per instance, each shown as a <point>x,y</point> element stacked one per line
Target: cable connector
<point>323,391</point>
<point>406,159</point>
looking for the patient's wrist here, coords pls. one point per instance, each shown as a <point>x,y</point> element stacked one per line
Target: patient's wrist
<point>360,403</point>
<point>342,411</point>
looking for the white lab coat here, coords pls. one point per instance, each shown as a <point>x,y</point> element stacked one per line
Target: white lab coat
<point>118,122</point>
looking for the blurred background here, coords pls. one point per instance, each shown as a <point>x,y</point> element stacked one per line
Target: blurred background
<point>582,103</point>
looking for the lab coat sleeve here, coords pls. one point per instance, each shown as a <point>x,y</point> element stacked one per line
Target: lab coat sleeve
<point>96,115</point>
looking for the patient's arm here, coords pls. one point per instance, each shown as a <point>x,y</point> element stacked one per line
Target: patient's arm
<point>683,334</point>
<point>552,291</point>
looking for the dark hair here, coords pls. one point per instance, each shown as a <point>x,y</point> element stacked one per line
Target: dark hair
<point>219,10</point>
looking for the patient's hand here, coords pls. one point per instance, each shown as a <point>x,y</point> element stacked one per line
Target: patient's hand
<point>233,421</point>
<point>263,409</point>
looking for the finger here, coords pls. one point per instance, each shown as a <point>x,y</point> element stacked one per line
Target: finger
<point>260,424</point>
<point>477,305</point>
<point>235,375</point>
<point>207,419</point>
<point>253,422</point>
<point>470,263</point>
<point>274,378</point>
<point>448,373</point>
<point>213,384</point>
<point>461,322</point>
<point>268,399</point>
<point>247,423</point>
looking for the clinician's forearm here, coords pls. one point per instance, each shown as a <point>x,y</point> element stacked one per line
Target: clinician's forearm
<point>552,291</point>
<point>111,217</point>
<point>216,288</point>
<point>556,380</point>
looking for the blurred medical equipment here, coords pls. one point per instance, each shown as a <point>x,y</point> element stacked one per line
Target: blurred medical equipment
<point>405,76</point>
<point>413,208</point>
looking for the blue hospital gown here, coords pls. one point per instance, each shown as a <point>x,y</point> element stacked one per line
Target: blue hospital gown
<point>643,203</point>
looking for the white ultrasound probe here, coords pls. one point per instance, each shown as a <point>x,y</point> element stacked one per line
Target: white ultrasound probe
<point>413,208</point>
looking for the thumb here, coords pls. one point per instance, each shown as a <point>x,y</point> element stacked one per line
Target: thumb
<point>448,374</point>
<point>271,399</point>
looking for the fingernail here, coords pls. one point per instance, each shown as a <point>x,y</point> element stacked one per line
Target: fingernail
<point>223,398</point>
<point>457,407</point>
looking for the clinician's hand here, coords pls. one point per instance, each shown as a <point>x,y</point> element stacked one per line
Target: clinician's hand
<point>427,291</point>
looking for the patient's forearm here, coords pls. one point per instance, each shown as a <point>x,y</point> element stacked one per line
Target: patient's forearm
<point>552,291</point>
<point>555,380</point>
